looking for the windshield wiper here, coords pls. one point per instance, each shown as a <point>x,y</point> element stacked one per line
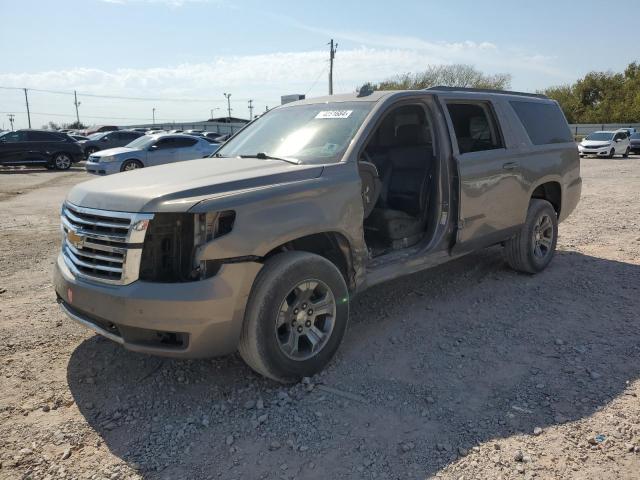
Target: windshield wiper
<point>264,156</point>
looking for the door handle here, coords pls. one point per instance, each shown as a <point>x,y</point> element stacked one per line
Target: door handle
<point>510,165</point>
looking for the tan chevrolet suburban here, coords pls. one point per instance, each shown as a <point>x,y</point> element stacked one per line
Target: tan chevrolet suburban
<point>260,247</point>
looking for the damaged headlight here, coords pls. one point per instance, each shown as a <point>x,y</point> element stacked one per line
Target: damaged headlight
<point>174,243</point>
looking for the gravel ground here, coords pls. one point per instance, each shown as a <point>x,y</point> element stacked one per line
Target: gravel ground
<point>465,371</point>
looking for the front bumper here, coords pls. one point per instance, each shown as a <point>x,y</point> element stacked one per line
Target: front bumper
<point>102,168</point>
<point>600,151</point>
<point>185,320</point>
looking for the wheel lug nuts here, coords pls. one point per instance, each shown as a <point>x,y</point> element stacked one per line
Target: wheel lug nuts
<point>310,312</point>
<point>300,329</point>
<point>295,311</point>
<point>304,305</point>
<point>293,322</point>
<point>307,323</point>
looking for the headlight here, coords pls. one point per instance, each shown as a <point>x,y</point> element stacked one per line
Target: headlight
<point>109,158</point>
<point>174,243</point>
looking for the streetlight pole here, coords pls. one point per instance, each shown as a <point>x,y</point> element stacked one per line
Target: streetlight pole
<point>153,112</point>
<point>11,117</point>
<point>212,110</point>
<point>228,97</point>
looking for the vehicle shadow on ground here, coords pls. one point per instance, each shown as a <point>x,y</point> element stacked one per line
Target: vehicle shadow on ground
<point>432,365</point>
<point>28,170</point>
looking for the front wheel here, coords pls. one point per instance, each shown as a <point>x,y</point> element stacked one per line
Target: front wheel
<point>62,161</point>
<point>611,153</point>
<point>626,153</point>
<point>533,247</point>
<point>131,165</point>
<point>296,316</point>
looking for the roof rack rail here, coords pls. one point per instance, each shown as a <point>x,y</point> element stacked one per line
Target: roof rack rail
<point>485,90</point>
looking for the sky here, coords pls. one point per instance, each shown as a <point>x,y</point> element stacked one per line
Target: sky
<point>181,56</point>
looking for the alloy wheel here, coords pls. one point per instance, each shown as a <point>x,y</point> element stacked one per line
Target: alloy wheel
<point>542,236</point>
<point>305,320</point>
<point>62,161</point>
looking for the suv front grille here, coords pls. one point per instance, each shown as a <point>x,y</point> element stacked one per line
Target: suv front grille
<point>102,245</point>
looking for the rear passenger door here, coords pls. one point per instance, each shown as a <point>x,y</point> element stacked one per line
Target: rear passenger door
<point>186,148</point>
<point>163,151</point>
<point>42,145</point>
<point>491,195</point>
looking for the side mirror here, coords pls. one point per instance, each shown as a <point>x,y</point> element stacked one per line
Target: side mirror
<point>153,147</point>
<point>104,139</point>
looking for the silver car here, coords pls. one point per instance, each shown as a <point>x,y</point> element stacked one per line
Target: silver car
<point>148,151</point>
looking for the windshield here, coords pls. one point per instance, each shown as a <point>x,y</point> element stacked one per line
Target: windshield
<point>97,136</point>
<point>600,136</point>
<point>142,142</point>
<point>318,133</point>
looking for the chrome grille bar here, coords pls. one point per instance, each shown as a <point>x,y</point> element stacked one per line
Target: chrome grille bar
<point>102,245</point>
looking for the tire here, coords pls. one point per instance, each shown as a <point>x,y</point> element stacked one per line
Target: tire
<point>275,311</point>
<point>129,165</point>
<point>62,161</point>
<point>533,247</point>
<point>611,153</point>
<point>626,153</point>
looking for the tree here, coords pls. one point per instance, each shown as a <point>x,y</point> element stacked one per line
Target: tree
<point>457,75</point>
<point>601,97</point>
<point>77,125</point>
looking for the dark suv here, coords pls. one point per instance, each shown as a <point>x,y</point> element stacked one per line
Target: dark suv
<point>104,140</point>
<point>32,147</point>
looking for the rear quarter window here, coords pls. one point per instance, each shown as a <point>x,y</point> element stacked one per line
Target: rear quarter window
<point>544,122</point>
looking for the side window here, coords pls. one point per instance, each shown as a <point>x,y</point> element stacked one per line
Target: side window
<point>35,136</point>
<point>544,122</point>
<point>14,137</point>
<point>165,143</point>
<point>184,142</point>
<point>475,127</point>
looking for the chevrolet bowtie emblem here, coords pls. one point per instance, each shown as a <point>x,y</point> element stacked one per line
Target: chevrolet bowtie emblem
<point>74,239</point>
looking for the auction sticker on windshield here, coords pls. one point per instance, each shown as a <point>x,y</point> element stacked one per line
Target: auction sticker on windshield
<point>334,114</point>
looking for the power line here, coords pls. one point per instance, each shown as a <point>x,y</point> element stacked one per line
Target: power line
<point>120,97</point>
<point>104,118</point>
<point>324,69</point>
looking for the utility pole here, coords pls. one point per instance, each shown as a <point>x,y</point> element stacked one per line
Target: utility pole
<point>26,99</point>
<point>250,110</point>
<point>153,112</point>
<point>332,54</point>
<point>77,104</point>
<point>228,97</point>
<point>11,117</point>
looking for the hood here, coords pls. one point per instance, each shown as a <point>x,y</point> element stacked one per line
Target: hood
<point>113,151</point>
<point>595,143</point>
<point>183,184</point>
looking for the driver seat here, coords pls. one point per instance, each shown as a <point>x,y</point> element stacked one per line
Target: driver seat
<point>402,219</point>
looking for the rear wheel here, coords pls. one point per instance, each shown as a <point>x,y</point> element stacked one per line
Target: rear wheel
<point>532,249</point>
<point>296,316</point>
<point>62,161</point>
<point>131,165</point>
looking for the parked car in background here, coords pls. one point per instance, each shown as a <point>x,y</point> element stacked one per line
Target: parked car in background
<point>140,129</point>
<point>634,143</point>
<point>605,144</point>
<point>261,248</point>
<point>105,140</point>
<point>155,131</point>
<point>175,131</point>
<point>194,132</point>
<point>629,130</point>
<point>148,151</point>
<point>102,128</point>
<point>77,138</point>
<point>215,136</point>
<point>39,147</point>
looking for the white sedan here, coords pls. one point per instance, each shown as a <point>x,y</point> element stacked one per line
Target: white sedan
<point>605,144</point>
<point>148,151</point>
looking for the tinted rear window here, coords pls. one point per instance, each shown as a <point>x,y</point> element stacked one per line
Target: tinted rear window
<point>544,122</point>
